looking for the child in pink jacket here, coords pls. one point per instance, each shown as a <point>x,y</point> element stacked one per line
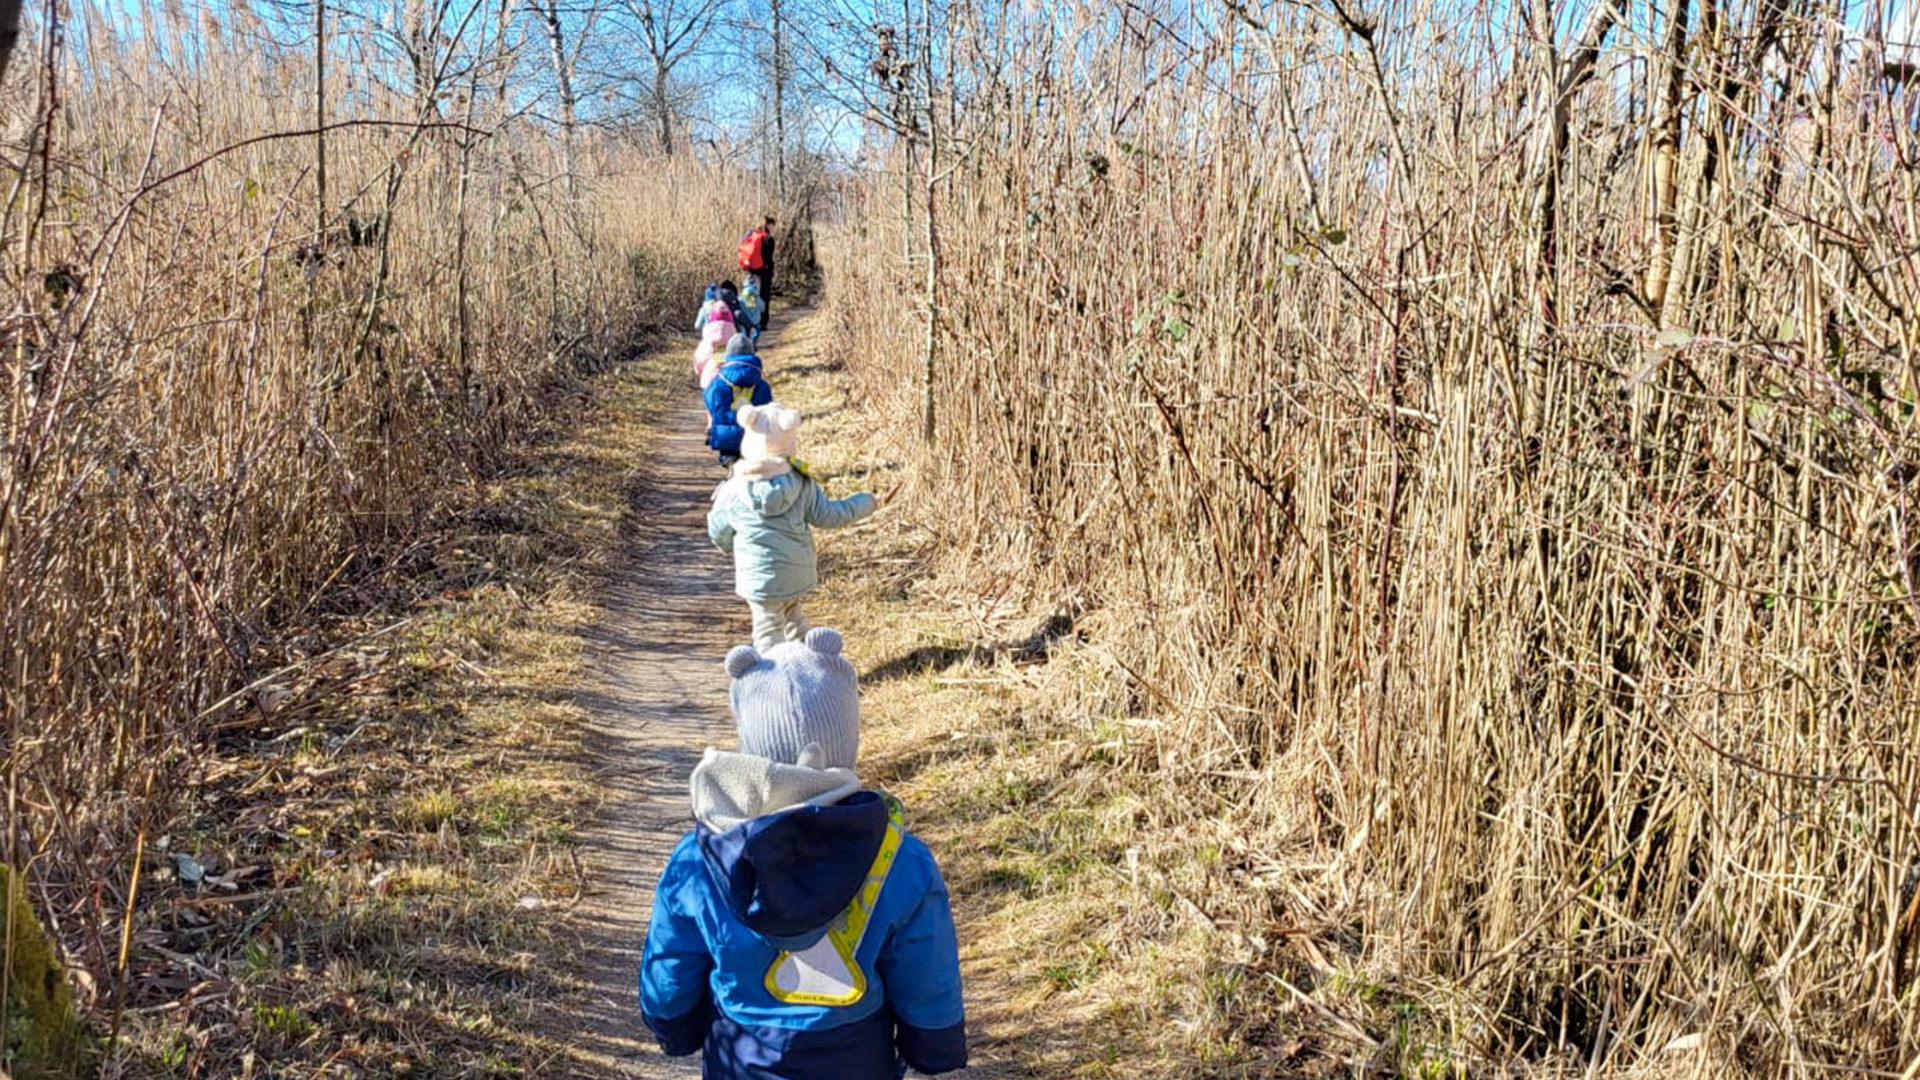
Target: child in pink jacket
<point>718,331</point>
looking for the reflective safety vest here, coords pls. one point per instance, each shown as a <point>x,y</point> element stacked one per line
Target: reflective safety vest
<point>828,971</point>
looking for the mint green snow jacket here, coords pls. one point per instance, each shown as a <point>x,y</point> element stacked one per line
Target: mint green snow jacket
<point>767,525</point>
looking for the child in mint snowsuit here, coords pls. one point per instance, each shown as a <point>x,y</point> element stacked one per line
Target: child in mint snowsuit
<point>800,932</point>
<point>764,516</point>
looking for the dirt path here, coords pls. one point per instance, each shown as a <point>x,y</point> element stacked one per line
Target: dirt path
<point>659,697</point>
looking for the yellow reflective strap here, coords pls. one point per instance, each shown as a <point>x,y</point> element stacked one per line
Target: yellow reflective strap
<point>843,936</point>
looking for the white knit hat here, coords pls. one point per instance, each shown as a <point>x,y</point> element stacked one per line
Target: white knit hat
<point>768,432</point>
<point>797,694</point>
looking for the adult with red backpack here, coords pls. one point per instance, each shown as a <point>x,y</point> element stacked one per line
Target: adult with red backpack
<point>756,257</point>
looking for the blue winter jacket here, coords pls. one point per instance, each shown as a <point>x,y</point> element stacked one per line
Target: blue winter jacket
<point>739,375</point>
<point>730,902</point>
<point>767,526</point>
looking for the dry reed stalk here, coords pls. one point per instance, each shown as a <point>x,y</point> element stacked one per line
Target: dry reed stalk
<point>219,420</point>
<point>1587,657</point>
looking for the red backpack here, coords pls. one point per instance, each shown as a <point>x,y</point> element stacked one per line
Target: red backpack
<point>750,258</point>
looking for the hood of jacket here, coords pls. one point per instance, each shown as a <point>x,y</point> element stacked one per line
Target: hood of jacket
<point>772,496</point>
<point>742,370</point>
<point>788,846</point>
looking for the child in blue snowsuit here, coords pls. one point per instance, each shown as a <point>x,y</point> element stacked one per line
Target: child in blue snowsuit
<point>738,383</point>
<point>800,932</point>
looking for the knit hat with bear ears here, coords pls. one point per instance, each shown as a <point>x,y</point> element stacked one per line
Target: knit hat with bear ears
<point>769,433</point>
<point>794,695</point>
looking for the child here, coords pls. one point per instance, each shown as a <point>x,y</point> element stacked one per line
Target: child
<point>738,382</point>
<point>707,301</point>
<point>764,516</point>
<point>719,330</point>
<point>730,296</point>
<point>754,309</point>
<point>800,930</point>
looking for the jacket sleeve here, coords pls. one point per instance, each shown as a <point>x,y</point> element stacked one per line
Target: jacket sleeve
<point>921,966</point>
<point>720,521</point>
<point>723,433</point>
<point>825,513</point>
<point>675,1002</point>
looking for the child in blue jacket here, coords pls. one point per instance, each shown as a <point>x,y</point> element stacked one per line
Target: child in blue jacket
<point>738,383</point>
<point>708,301</point>
<point>800,932</point>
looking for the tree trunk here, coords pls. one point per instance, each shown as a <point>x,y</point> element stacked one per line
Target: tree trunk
<point>933,228</point>
<point>661,107</point>
<point>779,103</point>
<point>9,32</point>
<point>563,76</point>
<point>1559,82</point>
<point>320,118</point>
<point>319,165</point>
<point>1666,156</point>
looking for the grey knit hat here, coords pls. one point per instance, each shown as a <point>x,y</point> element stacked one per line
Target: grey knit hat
<point>797,693</point>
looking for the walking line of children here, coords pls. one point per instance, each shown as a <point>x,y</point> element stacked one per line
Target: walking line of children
<point>799,931</point>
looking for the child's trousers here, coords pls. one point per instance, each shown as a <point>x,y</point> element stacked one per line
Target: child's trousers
<point>777,622</point>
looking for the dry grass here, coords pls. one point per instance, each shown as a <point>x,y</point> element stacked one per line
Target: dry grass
<point>237,416</point>
<point>389,851</point>
<point>1502,636</point>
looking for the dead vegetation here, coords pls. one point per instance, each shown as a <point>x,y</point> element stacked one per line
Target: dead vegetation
<point>372,876</point>
<point>1473,452</point>
<point>265,556</point>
